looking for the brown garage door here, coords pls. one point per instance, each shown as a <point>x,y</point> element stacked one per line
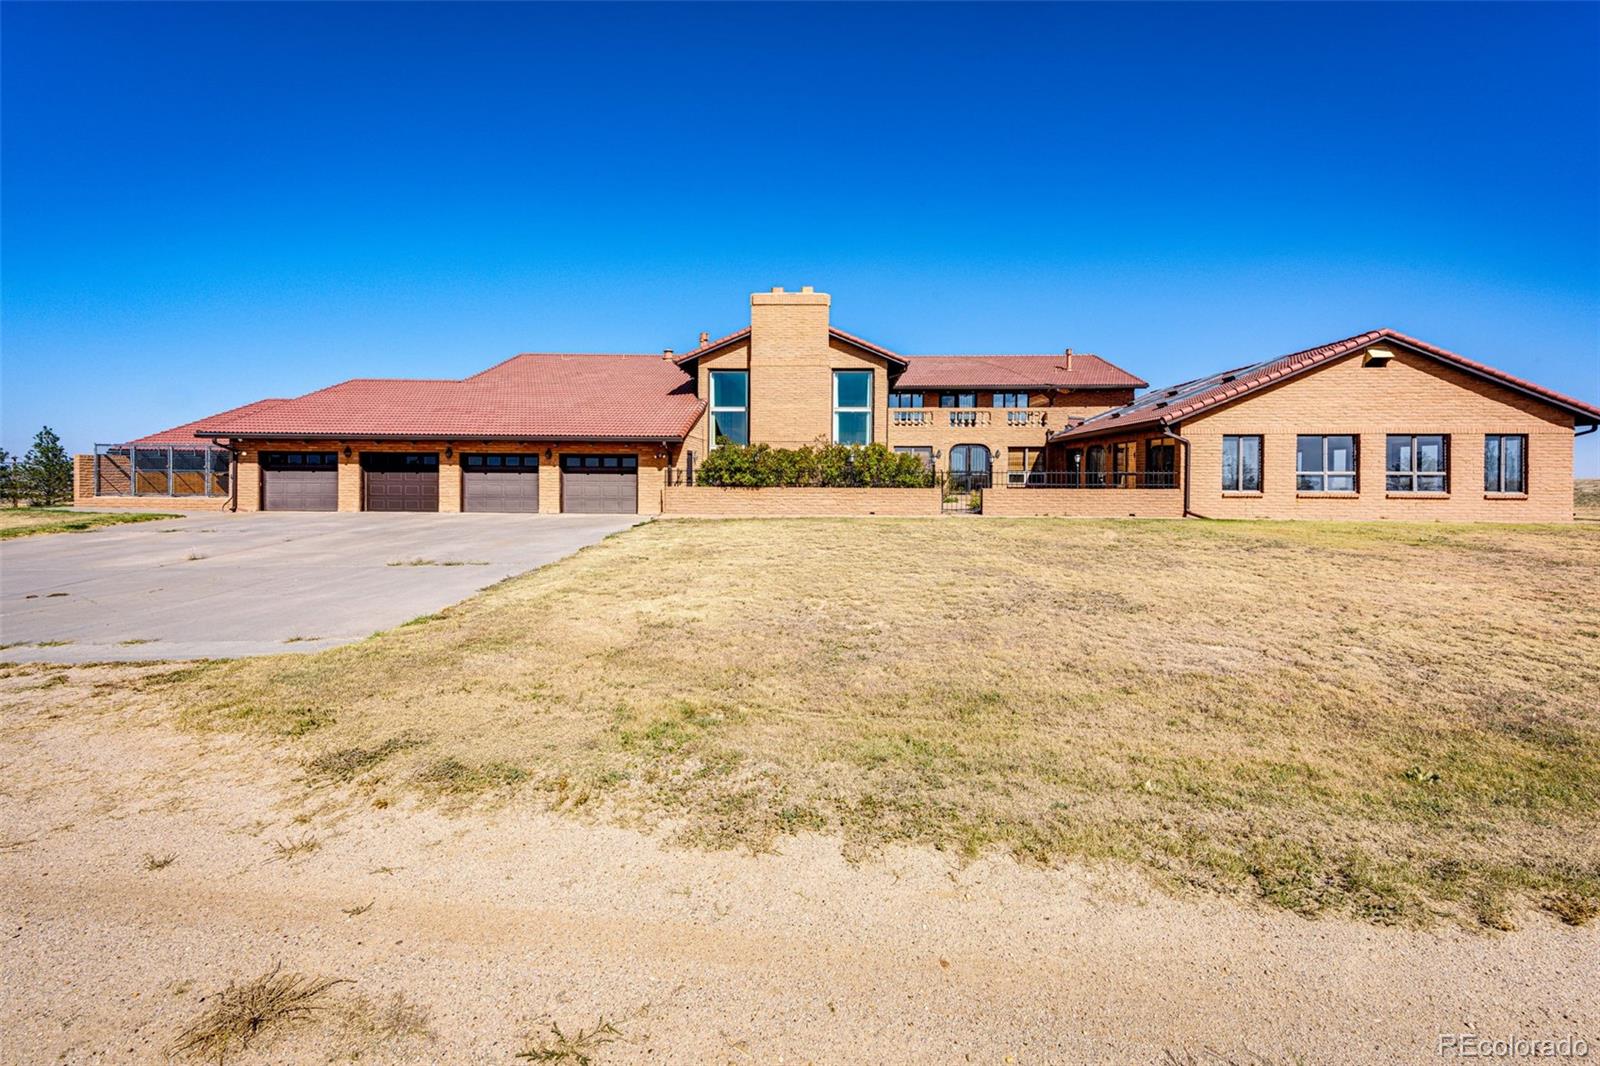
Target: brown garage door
<point>600,484</point>
<point>399,482</point>
<point>299,481</point>
<point>500,483</point>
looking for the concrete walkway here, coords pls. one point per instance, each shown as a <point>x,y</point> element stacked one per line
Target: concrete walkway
<point>223,586</point>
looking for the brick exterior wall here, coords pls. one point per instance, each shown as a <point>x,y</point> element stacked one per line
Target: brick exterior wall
<point>790,357</point>
<point>653,462</point>
<point>1085,503</point>
<point>755,503</point>
<point>1412,394</point>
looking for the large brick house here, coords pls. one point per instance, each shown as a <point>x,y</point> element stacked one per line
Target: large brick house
<point>1375,426</point>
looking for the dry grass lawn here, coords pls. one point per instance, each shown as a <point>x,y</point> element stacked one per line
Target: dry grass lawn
<point>28,521</point>
<point>1395,722</point>
<point>1586,498</point>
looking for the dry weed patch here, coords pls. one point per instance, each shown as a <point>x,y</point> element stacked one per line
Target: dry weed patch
<point>241,1013</point>
<point>1392,721</point>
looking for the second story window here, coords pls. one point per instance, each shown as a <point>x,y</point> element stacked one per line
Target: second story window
<point>1325,464</point>
<point>1416,463</point>
<point>852,406</point>
<point>1011,399</point>
<point>730,407</point>
<point>958,399</point>
<point>905,399</point>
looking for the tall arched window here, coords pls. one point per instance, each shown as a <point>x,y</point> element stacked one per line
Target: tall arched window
<point>969,467</point>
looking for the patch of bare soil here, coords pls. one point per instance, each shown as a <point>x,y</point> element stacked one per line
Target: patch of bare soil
<point>167,893</point>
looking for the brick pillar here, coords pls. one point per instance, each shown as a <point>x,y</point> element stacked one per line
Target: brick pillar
<point>450,482</point>
<point>350,480</point>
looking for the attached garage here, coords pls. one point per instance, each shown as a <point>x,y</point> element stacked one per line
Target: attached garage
<point>299,481</point>
<point>600,484</point>
<point>505,483</point>
<point>396,481</point>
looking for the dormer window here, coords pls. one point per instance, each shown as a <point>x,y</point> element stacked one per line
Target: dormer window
<point>730,407</point>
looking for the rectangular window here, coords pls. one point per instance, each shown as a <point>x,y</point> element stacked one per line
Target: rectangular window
<point>852,406</point>
<point>1416,463</point>
<point>730,407</point>
<point>1022,459</point>
<point>1325,464</point>
<point>905,399</point>
<point>1505,462</point>
<point>1160,464</point>
<point>925,454</point>
<point>958,399</point>
<point>1011,399</point>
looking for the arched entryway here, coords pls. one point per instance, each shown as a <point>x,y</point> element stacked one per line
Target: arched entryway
<point>969,467</point>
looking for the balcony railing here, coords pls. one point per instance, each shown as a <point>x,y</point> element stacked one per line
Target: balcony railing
<point>968,417</point>
<point>1067,479</point>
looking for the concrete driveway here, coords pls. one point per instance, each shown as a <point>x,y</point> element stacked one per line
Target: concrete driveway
<point>222,586</point>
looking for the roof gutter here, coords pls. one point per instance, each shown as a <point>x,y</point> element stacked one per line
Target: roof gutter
<point>577,438</point>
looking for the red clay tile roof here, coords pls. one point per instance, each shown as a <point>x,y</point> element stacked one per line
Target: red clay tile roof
<point>1014,372</point>
<point>1171,405</point>
<point>184,434</point>
<point>534,396</point>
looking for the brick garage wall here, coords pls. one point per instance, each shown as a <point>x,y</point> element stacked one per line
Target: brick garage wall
<point>1084,503</point>
<point>1413,394</point>
<point>653,461</point>
<point>708,500</point>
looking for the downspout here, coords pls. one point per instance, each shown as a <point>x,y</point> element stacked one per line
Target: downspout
<point>1166,431</point>
<point>1585,431</point>
<point>233,478</point>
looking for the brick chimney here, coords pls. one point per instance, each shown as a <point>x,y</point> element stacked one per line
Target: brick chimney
<point>791,367</point>
<point>1069,360</point>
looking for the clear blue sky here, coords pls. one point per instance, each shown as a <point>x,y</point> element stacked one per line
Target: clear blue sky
<point>208,204</point>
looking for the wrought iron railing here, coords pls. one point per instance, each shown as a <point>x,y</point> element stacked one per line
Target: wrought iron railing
<point>1073,479</point>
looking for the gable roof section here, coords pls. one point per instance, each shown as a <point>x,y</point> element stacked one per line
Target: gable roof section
<point>1178,402</point>
<point>1014,372</point>
<point>744,334</point>
<point>185,434</point>
<point>527,397</point>
<point>969,371</point>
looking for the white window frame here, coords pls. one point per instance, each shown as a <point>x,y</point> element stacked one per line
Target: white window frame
<point>711,385</point>
<point>838,410</point>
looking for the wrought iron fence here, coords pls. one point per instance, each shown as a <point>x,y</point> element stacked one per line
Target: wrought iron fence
<point>1092,479</point>
<point>161,470</point>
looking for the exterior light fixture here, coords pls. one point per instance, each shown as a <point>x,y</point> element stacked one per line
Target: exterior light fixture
<point>347,451</point>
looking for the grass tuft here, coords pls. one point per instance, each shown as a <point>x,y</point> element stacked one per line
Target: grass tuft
<point>292,848</point>
<point>242,1012</point>
<point>578,1047</point>
<point>158,862</point>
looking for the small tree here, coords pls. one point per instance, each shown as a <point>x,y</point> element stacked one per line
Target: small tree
<point>47,469</point>
<point>10,489</point>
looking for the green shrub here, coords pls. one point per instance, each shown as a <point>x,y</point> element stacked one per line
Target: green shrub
<point>820,466</point>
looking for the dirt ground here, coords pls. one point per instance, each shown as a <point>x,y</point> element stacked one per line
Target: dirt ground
<point>485,928</point>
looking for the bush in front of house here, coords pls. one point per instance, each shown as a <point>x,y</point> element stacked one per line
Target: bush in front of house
<point>761,466</point>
